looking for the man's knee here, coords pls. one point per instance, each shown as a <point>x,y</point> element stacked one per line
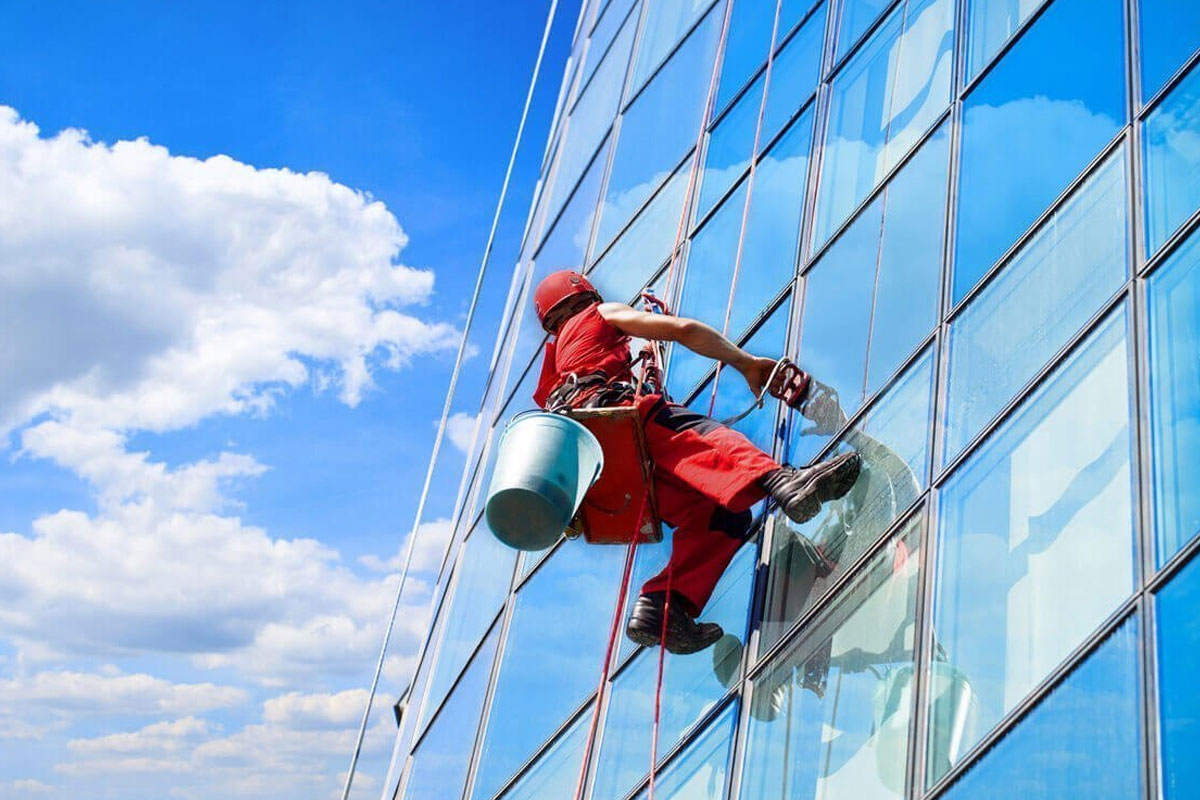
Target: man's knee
<point>734,524</point>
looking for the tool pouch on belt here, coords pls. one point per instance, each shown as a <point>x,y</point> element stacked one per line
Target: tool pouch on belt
<point>593,390</point>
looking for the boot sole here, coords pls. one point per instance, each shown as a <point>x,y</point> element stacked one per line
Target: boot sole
<point>677,643</point>
<point>836,478</point>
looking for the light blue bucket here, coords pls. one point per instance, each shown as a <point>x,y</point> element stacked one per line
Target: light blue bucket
<point>545,465</point>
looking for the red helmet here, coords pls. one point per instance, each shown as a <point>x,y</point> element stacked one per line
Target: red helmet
<point>557,287</point>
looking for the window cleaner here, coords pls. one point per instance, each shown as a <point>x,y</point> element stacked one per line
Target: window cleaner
<point>703,477</point>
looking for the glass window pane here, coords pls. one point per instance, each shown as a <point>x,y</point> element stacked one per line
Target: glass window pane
<point>1174,301</point>
<point>1170,33</point>
<point>644,246</point>
<point>592,115</point>
<point>1048,114</point>
<point>794,74</point>
<point>1172,148</point>
<point>556,641</point>
<point>882,101</point>
<point>603,35</point>
<point>699,772</point>
<point>727,156</point>
<point>1018,521</point>
<point>992,23</point>
<point>1083,740</point>
<point>692,685</point>
<point>830,720</point>
<point>1046,293</point>
<point>484,573</point>
<point>556,773</point>
<point>854,17</point>
<point>659,127</point>
<point>749,30</point>
<point>893,440</point>
<point>439,766</point>
<point>666,22</point>
<point>1178,608</point>
<point>733,393</point>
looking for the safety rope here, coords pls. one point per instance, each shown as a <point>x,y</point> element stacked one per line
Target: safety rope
<point>437,442</point>
<point>741,243</point>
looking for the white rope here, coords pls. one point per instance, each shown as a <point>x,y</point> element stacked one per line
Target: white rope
<point>437,442</point>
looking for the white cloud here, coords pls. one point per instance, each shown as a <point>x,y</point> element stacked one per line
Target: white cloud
<point>314,711</point>
<point>81,692</point>
<point>460,429</point>
<point>148,290</point>
<point>432,538</point>
<point>169,737</point>
<point>30,786</point>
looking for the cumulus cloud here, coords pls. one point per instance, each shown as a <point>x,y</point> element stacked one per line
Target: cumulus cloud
<point>81,692</point>
<point>460,429</point>
<point>148,290</point>
<point>430,547</point>
<point>171,736</point>
<point>29,786</point>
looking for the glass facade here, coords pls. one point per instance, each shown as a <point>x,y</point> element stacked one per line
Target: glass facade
<point>976,223</point>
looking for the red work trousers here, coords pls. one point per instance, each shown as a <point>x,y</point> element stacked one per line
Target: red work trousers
<point>706,480</point>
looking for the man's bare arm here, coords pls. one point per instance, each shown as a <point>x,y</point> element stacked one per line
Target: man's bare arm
<point>692,334</point>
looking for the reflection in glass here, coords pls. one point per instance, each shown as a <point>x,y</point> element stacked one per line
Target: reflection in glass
<point>1036,537</point>
<point>749,31</point>
<point>727,156</point>
<point>1178,608</point>
<point>666,22</point>
<point>992,23</point>
<point>440,762</point>
<point>1172,161</point>
<point>699,772</point>
<point>1174,302</point>
<point>893,440</point>
<point>855,16</point>
<point>556,773</point>
<point>1170,33</point>
<point>556,641</point>
<point>644,246</point>
<point>733,393</point>
<point>484,573</point>
<point>603,35</point>
<point>794,74</point>
<point>882,101</point>
<point>830,719</point>
<point>659,127</point>
<point>1083,740</point>
<point>1046,293</point>
<point>1049,114</point>
<point>692,685</point>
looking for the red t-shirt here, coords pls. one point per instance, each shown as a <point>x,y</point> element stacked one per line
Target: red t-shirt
<point>586,343</point>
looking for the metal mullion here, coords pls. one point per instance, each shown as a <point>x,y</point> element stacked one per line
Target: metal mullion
<point>1177,78</point>
<point>833,591</point>
<point>1044,688</point>
<point>693,732</point>
<point>1008,45</point>
<point>1176,564</point>
<point>553,219</point>
<point>919,725</point>
<point>604,55</point>
<point>1064,353</point>
<point>839,63</point>
<point>1172,244</point>
<point>1035,227</point>
<point>871,196</point>
<point>639,90</point>
<point>1151,736</point>
<point>489,695</point>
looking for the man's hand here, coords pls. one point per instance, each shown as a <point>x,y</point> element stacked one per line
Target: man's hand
<point>757,371</point>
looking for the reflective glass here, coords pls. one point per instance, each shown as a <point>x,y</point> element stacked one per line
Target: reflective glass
<point>645,245</point>
<point>1170,32</point>
<point>830,719</point>
<point>887,95</point>
<point>699,772</point>
<point>1172,155</point>
<point>893,441</point>
<point>1050,115</point>
<point>592,115</point>
<point>1084,739</point>
<point>659,127</point>
<point>1036,544</point>
<point>665,24</point>
<point>1178,606</point>
<point>440,761</point>
<point>733,393</point>
<point>1043,296</point>
<point>794,74</point>
<point>992,23</point>
<point>854,17</point>
<point>604,33</point>
<point>484,573</point>
<point>692,685</point>
<point>727,156</point>
<point>556,773</point>
<point>1174,301</point>
<point>556,641</point>
<point>749,34</point>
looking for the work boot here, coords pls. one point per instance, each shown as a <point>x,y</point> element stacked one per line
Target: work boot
<point>800,492</point>
<point>684,634</point>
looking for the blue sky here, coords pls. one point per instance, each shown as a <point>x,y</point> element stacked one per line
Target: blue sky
<point>225,367</point>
